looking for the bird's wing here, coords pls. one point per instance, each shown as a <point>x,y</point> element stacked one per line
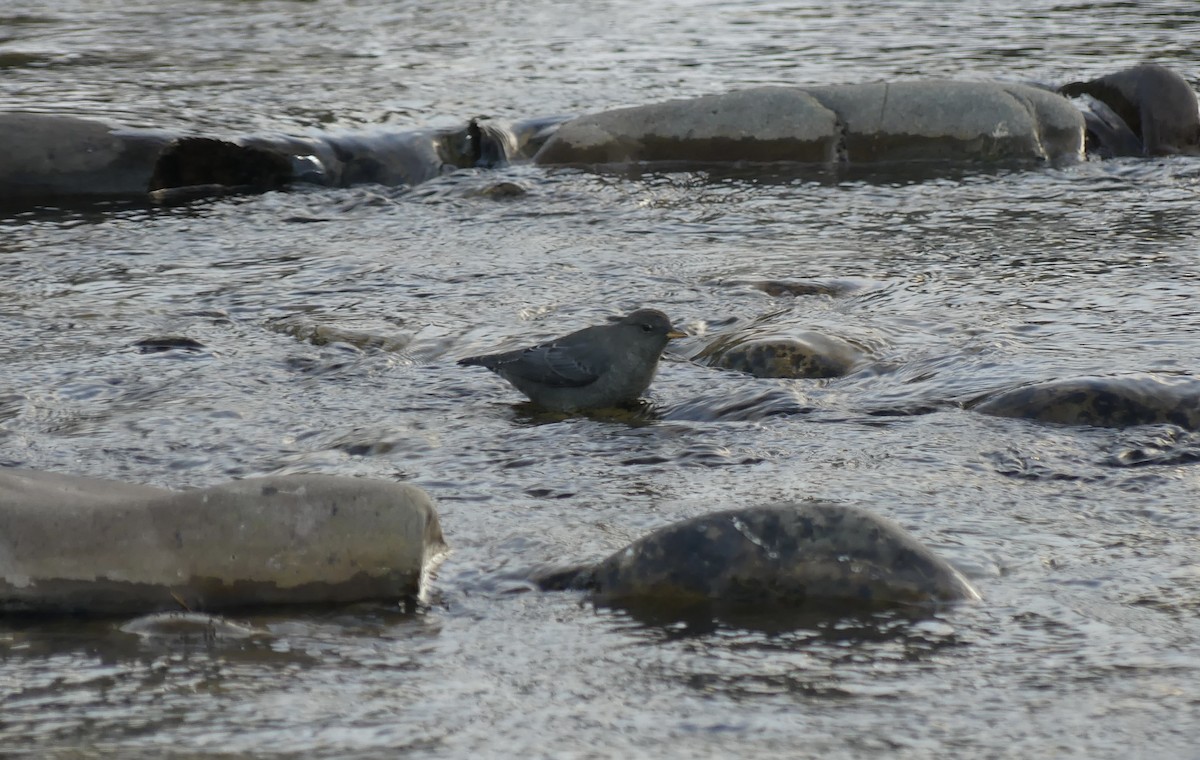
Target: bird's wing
<point>550,364</point>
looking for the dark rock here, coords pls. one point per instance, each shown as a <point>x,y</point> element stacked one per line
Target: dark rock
<point>1116,402</point>
<point>773,557</point>
<point>1148,110</point>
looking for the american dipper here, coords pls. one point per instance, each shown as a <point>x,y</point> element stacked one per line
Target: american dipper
<point>593,368</point>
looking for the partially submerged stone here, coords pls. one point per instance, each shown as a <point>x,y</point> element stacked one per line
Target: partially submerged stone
<point>1145,110</point>
<point>944,120</point>
<point>773,557</point>
<point>799,354</point>
<point>1116,402</point>
<point>63,157</point>
<point>187,627</point>
<point>823,287</point>
<point>760,124</point>
<point>381,335</point>
<point>51,156</point>
<point>936,120</point>
<point>74,544</point>
<point>739,404</point>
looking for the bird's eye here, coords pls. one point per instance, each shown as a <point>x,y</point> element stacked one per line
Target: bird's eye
<point>647,328</point>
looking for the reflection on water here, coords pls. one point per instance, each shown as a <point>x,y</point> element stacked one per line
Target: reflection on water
<point>316,331</point>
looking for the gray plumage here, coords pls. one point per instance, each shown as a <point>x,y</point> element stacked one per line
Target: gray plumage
<point>593,368</point>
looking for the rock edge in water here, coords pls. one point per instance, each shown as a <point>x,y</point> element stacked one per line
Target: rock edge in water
<point>780,557</point>
<point>1115,402</point>
<point>1143,110</point>
<point>71,544</point>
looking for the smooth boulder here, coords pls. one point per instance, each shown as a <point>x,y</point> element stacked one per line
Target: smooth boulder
<point>779,557</point>
<point>1115,402</point>
<point>75,544</point>
<point>936,120</point>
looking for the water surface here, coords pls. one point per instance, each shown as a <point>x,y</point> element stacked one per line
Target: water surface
<point>959,285</point>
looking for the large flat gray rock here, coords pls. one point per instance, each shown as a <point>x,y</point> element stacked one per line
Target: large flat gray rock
<point>73,544</point>
<point>936,120</point>
<point>955,121</point>
<point>46,155</point>
<point>760,124</point>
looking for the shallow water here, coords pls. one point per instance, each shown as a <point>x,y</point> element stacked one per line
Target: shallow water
<point>1086,644</point>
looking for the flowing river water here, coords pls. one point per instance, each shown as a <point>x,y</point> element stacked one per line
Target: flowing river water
<point>324,325</point>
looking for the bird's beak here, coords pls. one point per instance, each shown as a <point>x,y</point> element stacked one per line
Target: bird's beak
<point>676,334</point>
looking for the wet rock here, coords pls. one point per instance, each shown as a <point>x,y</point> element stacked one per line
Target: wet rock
<point>760,124</point>
<point>1116,402</point>
<point>63,157</point>
<point>74,544</point>
<point>1146,110</point>
<point>499,191</point>
<point>531,134</point>
<point>797,355</point>
<point>906,121</point>
<point>1155,445</point>
<point>773,557</point>
<point>780,288</point>
<point>945,120</point>
<point>739,406</point>
<point>55,156</point>
<point>380,336</point>
<point>163,343</point>
<point>200,162</point>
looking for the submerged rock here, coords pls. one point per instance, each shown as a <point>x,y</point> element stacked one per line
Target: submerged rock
<point>936,120</point>
<point>382,335</point>
<point>740,405</point>
<point>187,627</point>
<point>1116,402</point>
<point>773,557</point>
<point>826,287</point>
<point>75,544</point>
<point>797,355</point>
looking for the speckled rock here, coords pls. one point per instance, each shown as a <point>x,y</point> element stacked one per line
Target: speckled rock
<point>796,355</point>
<point>74,544</point>
<point>782,556</point>
<point>1116,402</point>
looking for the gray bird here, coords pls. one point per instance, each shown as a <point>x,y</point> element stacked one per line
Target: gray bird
<point>593,368</point>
